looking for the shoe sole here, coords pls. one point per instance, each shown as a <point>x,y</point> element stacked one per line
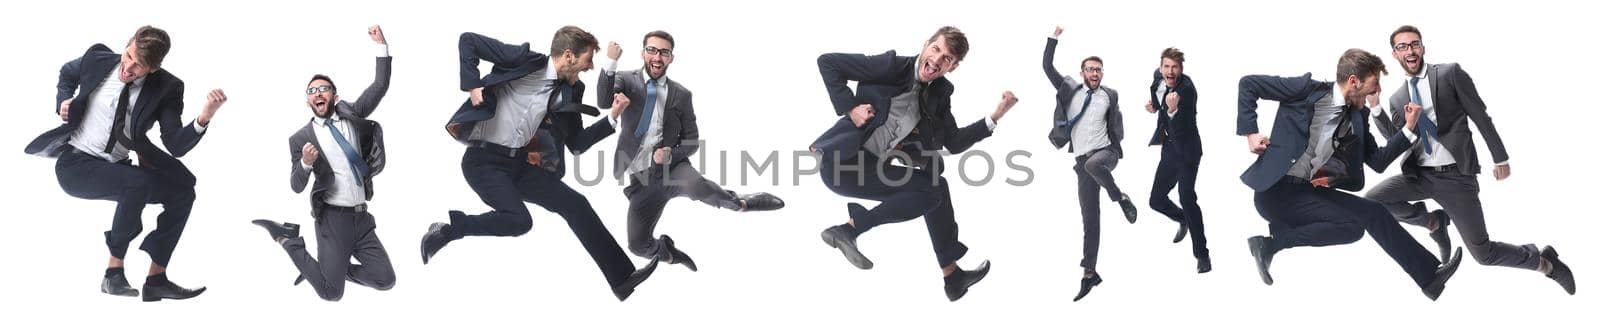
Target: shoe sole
<point>863,262</point>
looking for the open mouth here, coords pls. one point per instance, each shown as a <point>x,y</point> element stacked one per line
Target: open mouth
<point>929,70</point>
<point>321,103</point>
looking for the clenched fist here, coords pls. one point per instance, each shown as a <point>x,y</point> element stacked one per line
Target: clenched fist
<point>214,100</point>
<point>308,154</point>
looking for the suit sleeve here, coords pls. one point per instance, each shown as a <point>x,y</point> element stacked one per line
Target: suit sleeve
<point>475,48</point>
<point>1385,118</point>
<point>1114,119</point>
<point>298,175</point>
<point>1258,87</point>
<point>581,140</point>
<point>606,87</point>
<point>959,140</point>
<point>176,136</point>
<point>67,83</point>
<point>689,135</point>
<point>1467,92</point>
<point>838,69</point>
<point>374,93</point>
<point>1057,80</point>
<point>1379,158</point>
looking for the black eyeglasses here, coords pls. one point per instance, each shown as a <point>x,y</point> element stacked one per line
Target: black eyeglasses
<point>658,51</point>
<point>1094,69</point>
<point>318,89</point>
<point>1408,46</point>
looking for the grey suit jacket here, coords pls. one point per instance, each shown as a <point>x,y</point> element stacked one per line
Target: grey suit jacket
<point>368,135</point>
<point>1066,90</point>
<point>1455,100</point>
<point>678,128</point>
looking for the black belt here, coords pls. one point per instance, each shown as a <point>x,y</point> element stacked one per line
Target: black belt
<point>1439,169</point>
<point>497,149</point>
<point>1294,180</point>
<point>354,209</point>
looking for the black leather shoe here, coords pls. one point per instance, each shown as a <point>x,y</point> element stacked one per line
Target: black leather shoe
<point>1128,210</point>
<point>1086,284</point>
<point>157,291</point>
<point>956,284</point>
<point>434,240</point>
<point>842,237</point>
<point>117,285</point>
<point>1183,230</point>
<point>1442,234</point>
<point>1559,271</point>
<point>1263,257</point>
<point>638,276</point>
<point>1204,265</point>
<point>1441,276</point>
<point>670,254</point>
<point>761,202</point>
<point>279,231</point>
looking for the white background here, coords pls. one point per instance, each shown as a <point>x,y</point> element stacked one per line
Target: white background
<point>752,67</point>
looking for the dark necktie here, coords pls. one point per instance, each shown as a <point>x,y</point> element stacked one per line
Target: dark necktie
<point>1426,129</point>
<point>649,111</point>
<point>1075,118</point>
<point>350,155</point>
<point>119,125</point>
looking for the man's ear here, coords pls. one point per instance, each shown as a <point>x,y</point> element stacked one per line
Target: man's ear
<point>953,67</point>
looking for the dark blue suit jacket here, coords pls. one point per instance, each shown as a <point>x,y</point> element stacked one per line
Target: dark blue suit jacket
<point>879,78</point>
<point>160,100</point>
<point>1182,127</point>
<point>1297,98</point>
<point>563,125</point>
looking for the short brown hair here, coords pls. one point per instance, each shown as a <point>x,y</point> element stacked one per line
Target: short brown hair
<point>953,38</point>
<point>1085,62</point>
<point>1404,29</point>
<point>1359,63</point>
<point>153,44</point>
<point>1174,54</point>
<point>325,78</point>
<point>660,34</point>
<point>572,38</point>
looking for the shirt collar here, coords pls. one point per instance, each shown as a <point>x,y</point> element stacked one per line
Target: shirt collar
<point>1338,94</point>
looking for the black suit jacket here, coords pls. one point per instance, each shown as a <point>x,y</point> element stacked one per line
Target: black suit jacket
<point>1297,98</point>
<point>1455,100</point>
<point>160,101</point>
<point>678,128</point>
<point>879,78</point>
<point>1067,89</point>
<point>369,139</point>
<point>562,126</point>
<point>1182,127</point>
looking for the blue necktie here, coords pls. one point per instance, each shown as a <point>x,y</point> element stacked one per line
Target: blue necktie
<point>1425,127</point>
<point>350,155</point>
<point>1074,121</point>
<point>649,110</point>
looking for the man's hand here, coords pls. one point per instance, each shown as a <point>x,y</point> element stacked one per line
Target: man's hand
<point>66,112</point>
<point>1007,100</point>
<point>1258,143</point>
<point>476,94</point>
<point>614,51</point>
<point>1412,111</point>
<point>619,103</point>
<point>377,34</point>
<point>662,154</point>
<point>1057,34</point>
<point>861,114</point>
<point>1320,182</point>
<point>1149,106</point>
<point>308,154</point>
<point>1372,101</point>
<point>214,101</point>
<point>1502,171</point>
<point>1172,103</point>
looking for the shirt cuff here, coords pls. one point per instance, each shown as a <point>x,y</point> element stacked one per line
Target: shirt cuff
<point>608,65</point>
<point>382,50</point>
<point>989,121</point>
<point>198,128</point>
<point>1503,163</point>
<point>613,121</point>
<point>303,165</point>
<point>1410,136</point>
